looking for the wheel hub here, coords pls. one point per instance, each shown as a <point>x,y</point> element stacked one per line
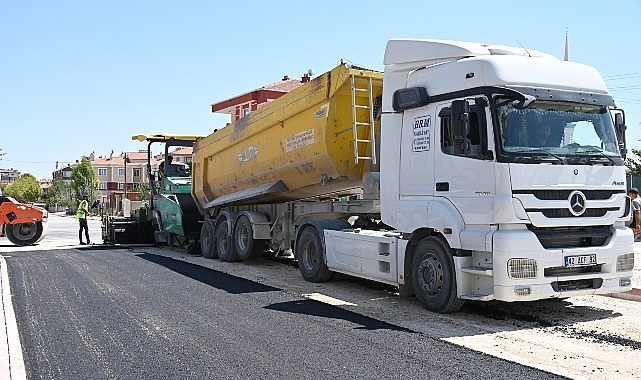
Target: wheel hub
<point>430,275</point>
<point>309,256</point>
<point>25,231</point>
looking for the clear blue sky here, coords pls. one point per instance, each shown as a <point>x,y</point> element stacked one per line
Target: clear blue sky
<point>83,76</point>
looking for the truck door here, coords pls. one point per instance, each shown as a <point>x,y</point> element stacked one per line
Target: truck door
<point>464,166</point>
<point>417,162</point>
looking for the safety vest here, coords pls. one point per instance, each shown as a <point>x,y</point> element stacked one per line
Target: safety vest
<point>84,205</point>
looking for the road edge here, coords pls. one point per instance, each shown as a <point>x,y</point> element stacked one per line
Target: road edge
<point>11,359</point>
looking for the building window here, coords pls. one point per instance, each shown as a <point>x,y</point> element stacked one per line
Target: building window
<point>102,172</point>
<point>102,186</point>
<point>136,172</point>
<point>121,172</point>
<point>246,111</point>
<point>121,185</point>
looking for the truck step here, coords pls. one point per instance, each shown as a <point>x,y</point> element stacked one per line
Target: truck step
<point>477,271</point>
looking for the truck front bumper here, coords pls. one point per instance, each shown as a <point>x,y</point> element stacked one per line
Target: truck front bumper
<point>523,270</point>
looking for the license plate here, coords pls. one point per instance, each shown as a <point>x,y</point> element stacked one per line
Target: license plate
<point>580,260</point>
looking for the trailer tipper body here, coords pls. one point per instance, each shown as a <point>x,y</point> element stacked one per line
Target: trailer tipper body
<point>298,147</point>
<point>466,171</point>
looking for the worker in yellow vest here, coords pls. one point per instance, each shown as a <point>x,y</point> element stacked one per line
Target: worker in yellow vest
<point>81,215</point>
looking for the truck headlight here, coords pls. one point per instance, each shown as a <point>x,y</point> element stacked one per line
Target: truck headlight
<point>522,268</point>
<point>625,262</point>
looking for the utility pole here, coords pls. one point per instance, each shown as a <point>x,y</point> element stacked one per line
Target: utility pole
<point>126,158</point>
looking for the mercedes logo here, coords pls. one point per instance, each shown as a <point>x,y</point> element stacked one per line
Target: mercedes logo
<point>577,203</point>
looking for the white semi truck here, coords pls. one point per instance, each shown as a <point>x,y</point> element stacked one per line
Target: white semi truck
<point>465,172</point>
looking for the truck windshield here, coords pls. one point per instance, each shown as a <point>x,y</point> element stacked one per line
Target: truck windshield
<point>561,131</point>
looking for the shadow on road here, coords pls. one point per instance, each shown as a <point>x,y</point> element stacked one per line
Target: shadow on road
<point>319,309</point>
<point>238,285</point>
<point>211,277</point>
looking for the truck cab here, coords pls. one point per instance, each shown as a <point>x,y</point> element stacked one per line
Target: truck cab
<point>511,162</point>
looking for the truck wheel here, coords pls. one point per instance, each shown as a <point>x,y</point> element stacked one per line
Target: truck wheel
<point>247,248</point>
<point>24,233</point>
<point>434,278</point>
<point>311,258</point>
<point>224,242</point>
<point>208,240</point>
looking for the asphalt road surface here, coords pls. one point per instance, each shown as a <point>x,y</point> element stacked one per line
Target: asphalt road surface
<point>145,312</point>
<point>99,313</point>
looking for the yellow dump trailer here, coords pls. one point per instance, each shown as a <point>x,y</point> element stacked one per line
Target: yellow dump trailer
<point>318,140</point>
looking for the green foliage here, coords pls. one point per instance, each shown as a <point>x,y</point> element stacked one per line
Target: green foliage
<point>84,179</point>
<point>143,190</point>
<point>25,188</point>
<point>59,193</point>
<point>633,164</point>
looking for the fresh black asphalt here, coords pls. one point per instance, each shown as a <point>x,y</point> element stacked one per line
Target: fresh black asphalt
<point>102,313</point>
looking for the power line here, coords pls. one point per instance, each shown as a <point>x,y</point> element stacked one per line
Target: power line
<point>31,162</point>
<point>622,76</point>
<point>624,87</point>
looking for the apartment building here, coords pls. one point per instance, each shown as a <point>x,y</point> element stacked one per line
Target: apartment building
<point>122,173</point>
<point>8,175</point>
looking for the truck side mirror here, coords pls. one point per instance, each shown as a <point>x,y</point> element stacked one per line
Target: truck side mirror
<point>460,118</point>
<point>620,127</point>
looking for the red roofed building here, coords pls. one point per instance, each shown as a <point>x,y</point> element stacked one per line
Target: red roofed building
<point>182,155</point>
<point>114,175</point>
<point>242,105</point>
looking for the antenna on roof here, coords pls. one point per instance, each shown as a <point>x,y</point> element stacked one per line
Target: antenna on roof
<point>527,52</point>
<point>566,57</point>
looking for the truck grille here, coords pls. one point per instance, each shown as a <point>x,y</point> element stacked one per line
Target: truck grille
<point>572,237</point>
<point>565,286</point>
<point>565,213</point>
<point>563,195</point>
<point>572,271</point>
<point>555,195</point>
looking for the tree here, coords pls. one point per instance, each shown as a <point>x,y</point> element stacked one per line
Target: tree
<point>84,179</point>
<point>59,193</point>
<point>634,165</point>
<point>143,190</point>
<point>24,188</point>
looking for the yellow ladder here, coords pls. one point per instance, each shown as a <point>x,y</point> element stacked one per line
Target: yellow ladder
<point>357,124</point>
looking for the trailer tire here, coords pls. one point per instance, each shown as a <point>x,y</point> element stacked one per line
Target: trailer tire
<point>208,240</point>
<point>224,241</point>
<point>247,248</point>
<point>434,278</point>
<point>23,234</point>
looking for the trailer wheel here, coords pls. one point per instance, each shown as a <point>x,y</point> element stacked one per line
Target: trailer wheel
<point>208,240</point>
<point>223,241</point>
<point>311,256</point>
<point>247,248</point>
<point>24,233</point>
<point>433,277</point>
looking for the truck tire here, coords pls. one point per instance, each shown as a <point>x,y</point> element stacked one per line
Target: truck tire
<point>310,253</point>
<point>24,233</point>
<point>223,240</point>
<point>208,240</point>
<point>247,248</point>
<point>434,278</point>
